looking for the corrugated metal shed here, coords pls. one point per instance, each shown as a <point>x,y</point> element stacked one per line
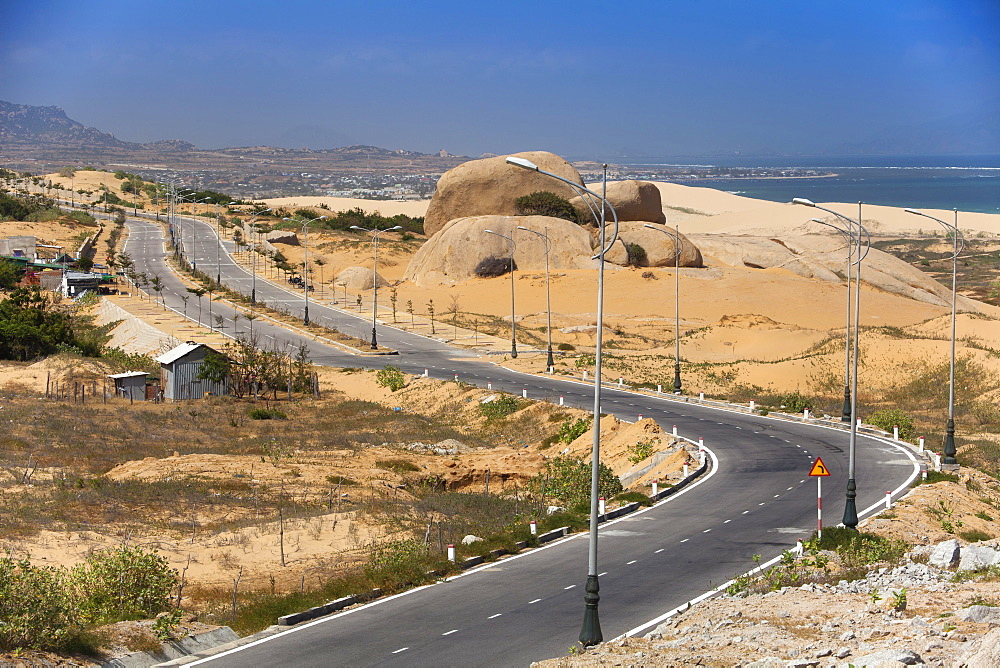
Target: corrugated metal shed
<point>179,373</point>
<point>131,384</point>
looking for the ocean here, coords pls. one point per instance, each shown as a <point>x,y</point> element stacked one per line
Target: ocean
<point>918,182</point>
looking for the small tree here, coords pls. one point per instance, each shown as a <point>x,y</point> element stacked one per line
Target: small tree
<point>199,293</point>
<point>430,312</point>
<point>390,377</point>
<point>409,309</point>
<point>215,368</point>
<point>157,284</point>
<point>454,308</point>
<point>393,296</point>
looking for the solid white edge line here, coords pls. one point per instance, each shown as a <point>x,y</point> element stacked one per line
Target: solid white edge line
<point>537,550</point>
<point>878,505</point>
<point>699,599</point>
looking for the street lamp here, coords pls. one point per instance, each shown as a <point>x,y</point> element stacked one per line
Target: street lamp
<point>305,266</point>
<point>513,321</point>
<point>550,363</point>
<point>850,507</point>
<point>218,249</point>
<point>959,245</point>
<point>850,237</point>
<point>590,633</point>
<point>253,257</point>
<point>375,234</point>
<point>676,236</point>
<point>194,209</point>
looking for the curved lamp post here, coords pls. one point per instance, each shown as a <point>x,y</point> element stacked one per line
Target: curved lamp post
<point>850,507</point>
<point>194,208</point>
<point>513,321</point>
<point>959,245</point>
<point>676,236</point>
<point>253,257</point>
<point>375,233</point>
<point>590,633</point>
<point>550,363</point>
<point>305,266</point>
<point>852,242</point>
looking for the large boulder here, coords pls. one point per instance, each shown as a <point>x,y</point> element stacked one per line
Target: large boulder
<point>490,186</point>
<point>659,245</point>
<point>358,278</point>
<point>632,200</point>
<point>451,255</point>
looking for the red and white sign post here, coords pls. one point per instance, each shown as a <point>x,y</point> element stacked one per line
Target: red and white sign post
<point>819,471</point>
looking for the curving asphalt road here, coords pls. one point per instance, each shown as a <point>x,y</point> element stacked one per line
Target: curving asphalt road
<point>757,500</point>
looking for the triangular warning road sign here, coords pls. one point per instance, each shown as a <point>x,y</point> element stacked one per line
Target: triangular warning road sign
<point>819,468</point>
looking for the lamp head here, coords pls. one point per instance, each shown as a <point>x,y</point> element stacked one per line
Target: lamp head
<point>490,232</point>
<point>803,201</point>
<point>354,227</point>
<point>913,211</point>
<point>521,162</point>
<point>817,220</point>
<point>397,227</point>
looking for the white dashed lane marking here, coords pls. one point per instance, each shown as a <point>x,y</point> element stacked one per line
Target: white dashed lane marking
<point>631,562</point>
<point>401,649</point>
<point>494,616</point>
<point>569,587</point>
<point>685,540</point>
<point>727,521</point>
<point>658,551</point>
<point>448,633</point>
<point>535,601</point>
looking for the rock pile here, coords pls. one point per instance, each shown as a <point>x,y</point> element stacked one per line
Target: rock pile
<point>830,625</point>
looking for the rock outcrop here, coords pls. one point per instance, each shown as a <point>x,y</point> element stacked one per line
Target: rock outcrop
<point>824,257</point>
<point>490,186</point>
<point>451,255</point>
<point>358,278</point>
<point>658,245</point>
<point>632,200</point>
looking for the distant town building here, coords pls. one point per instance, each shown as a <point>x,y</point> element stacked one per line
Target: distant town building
<point>179,373</point>
<point>75,283</point>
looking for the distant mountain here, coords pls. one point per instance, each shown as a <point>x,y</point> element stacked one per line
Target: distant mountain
<point>26,124</point>
<point>971,133</point>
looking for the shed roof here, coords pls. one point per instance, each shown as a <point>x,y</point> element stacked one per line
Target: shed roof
<point>127,374</point>
<point>180,351</point>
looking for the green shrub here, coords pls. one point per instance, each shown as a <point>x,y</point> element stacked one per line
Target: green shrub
<point>634,497</point>
<point>501,406</point>
<point>569,481</point>
<point>887,418</point>
<point>545,203</point>
<point>573,429</point>
<point>859,548</point>
<point>795,402</point>
<point>935,476</point>
<point>565,346</point>
<point>397,465</point>
<point>398,560</point>
<point>390,377</point>
<point>123,583</point>
<point>636,255</point>
<point>36,609</point>
<point>266,414</point>
<point>974,535</point>
<point>642,450</point>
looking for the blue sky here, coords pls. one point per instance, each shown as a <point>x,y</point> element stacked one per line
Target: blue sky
<point>583,79</point>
